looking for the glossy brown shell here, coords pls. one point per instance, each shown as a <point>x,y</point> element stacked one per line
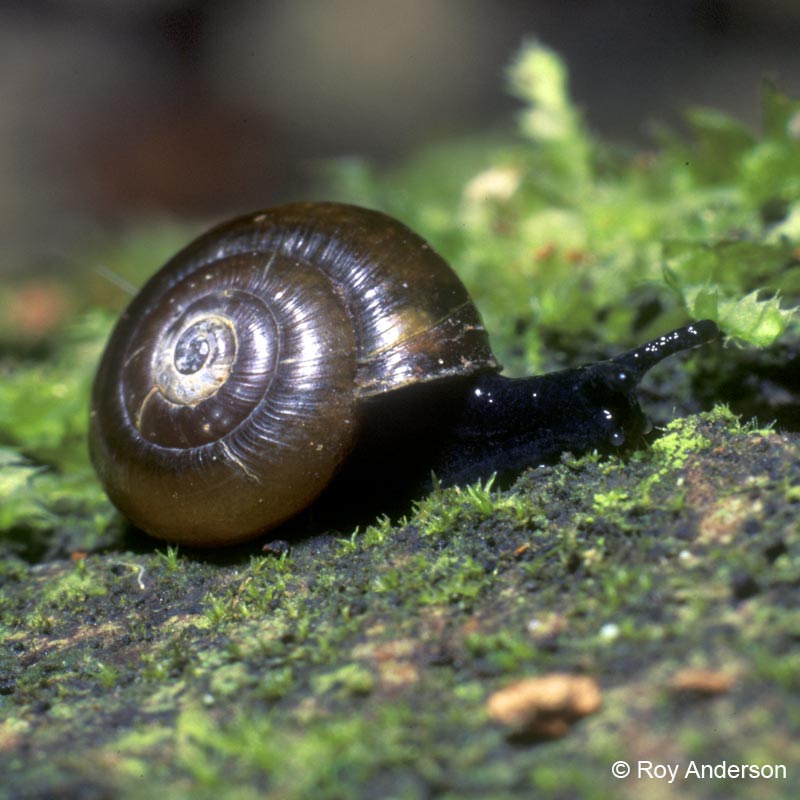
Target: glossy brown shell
<point>315,307</point>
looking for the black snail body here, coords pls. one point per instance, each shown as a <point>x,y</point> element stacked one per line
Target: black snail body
<point>283,345</point>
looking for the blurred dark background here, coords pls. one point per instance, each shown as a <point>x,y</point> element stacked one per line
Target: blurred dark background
<point>117,111</point>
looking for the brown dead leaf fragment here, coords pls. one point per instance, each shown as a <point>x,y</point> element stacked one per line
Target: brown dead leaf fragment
<point>700,682</point>
<point>545,707</point>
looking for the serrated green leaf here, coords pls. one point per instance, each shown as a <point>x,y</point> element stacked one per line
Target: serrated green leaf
<point>759,322</point>
<point>703,302</point>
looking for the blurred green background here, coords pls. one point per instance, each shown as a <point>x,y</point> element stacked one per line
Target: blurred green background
<point>197,109</point>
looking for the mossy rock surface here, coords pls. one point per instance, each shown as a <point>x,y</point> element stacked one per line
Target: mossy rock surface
<point>361,667</point>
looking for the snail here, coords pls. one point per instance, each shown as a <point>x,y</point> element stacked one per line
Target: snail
<point>280,349</point>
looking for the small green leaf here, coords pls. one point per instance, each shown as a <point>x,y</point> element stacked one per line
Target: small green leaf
<point>759,322</point>
<point>703,302</point>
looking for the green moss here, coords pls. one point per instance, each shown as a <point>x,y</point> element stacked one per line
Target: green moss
<point>350,678</point>
<point>71,588</point>
<point>579,230</point>
<point>682,438</point>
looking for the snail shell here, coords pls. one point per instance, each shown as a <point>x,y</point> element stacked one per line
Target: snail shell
<point>229,393</point>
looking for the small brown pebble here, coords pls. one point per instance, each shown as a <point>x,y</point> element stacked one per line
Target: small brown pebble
<point>700,681</point>
<point>545,707</point>
<point>277,547</point>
